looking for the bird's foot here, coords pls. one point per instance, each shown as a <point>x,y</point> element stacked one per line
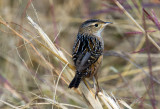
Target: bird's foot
<point>97,91</point>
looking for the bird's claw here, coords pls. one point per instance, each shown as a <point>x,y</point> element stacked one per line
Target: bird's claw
<point>97,91</point>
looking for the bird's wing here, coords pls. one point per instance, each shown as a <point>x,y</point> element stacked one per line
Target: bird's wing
<point>86,51</point>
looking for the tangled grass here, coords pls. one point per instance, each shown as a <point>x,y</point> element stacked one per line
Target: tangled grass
<point>36,65</point>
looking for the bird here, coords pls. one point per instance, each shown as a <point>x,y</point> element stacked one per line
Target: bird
<point>87,53</point>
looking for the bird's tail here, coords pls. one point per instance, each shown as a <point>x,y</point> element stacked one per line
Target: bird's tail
<point>76,81</point>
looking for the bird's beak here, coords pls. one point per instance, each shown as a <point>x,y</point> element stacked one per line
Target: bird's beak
<point>107,23</point>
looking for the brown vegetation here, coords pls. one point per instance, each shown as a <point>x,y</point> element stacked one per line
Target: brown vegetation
<point>36,39</point>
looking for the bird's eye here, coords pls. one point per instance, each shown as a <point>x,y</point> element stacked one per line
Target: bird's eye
<point>96,25</point>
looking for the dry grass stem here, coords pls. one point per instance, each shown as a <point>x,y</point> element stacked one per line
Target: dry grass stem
<point>133,20</point>
<point>36,67</point>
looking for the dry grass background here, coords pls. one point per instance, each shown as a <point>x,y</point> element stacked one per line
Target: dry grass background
<point>36,38</point>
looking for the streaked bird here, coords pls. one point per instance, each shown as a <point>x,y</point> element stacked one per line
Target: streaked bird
<point>87,51</point>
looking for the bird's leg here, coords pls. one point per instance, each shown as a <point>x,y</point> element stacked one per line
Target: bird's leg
<point>97,86</point>
<point>94,82</point>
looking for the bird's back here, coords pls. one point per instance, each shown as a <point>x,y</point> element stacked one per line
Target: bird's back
<point>86,51</point>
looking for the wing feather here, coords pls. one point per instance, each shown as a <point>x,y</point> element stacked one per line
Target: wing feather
<point>86,51</point>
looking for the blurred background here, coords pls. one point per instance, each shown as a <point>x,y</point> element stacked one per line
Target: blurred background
<point>133,77</point>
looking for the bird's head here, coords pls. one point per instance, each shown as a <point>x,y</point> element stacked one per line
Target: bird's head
<point>93,26</point>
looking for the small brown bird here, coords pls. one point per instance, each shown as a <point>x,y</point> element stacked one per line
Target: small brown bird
<point>87,51</point>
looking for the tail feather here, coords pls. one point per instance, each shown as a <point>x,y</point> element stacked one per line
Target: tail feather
<point>75,82</point>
